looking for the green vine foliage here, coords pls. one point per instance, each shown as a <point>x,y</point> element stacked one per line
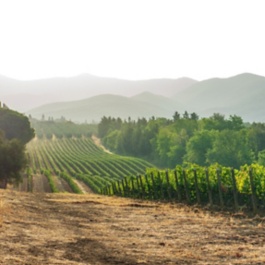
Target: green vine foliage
<point>196,184</point>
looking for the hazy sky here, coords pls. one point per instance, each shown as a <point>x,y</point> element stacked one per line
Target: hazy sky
<point>131,39</point>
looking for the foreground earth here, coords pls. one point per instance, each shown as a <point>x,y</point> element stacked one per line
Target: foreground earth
<point>42,228</point>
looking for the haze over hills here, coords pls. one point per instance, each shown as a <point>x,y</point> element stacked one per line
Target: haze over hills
<point>25,95</point>
<point>243,95</point>
<point>94,108</point>
<point>88,98</point>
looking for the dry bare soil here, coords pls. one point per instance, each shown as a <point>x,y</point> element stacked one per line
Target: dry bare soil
<point>43,228</point>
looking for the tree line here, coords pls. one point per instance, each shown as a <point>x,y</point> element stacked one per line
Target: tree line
<point>186,138</point>
<point>61,128</point>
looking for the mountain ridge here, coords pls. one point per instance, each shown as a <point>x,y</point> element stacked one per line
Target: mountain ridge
<point>94,108</point>
<point>82,86</point>
<point>241,95</point>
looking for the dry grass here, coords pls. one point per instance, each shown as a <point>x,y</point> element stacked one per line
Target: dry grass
<point>93,229</point>
<point>2,209</point>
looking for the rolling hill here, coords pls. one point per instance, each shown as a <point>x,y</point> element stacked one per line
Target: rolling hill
<point>88,98</point>
<point>25,95</point>
<point>243,95</point>
<point>94,108</point>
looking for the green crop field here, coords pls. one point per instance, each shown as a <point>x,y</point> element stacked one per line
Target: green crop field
<point>76,160</point>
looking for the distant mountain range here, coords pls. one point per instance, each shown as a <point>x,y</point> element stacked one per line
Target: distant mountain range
<point>88,98</point>
<point>25,95</point>
<point>242,95</point>
<point>94,108</point>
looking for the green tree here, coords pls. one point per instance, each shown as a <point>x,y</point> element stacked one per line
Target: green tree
<point>15,125</point>
<point>198,146</point>
<point>218,122</point>
<point>215,122</point>
<point>104,127</point>
<point>230,148</point>
<point>169,146</point>
<point>163,142</point>
<point>235,122</point>
<point>111,140</point>
<point>194,116</point>
<point>256,136</point>
<point>15,133</point>
<point>125,145</point>
<point>176,116</point>
<point>177,150</point>
<point>261,157</point>
<point>186,115</point>
<point>12,160</point>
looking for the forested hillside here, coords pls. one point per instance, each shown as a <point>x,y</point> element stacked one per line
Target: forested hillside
<point>187,138</point>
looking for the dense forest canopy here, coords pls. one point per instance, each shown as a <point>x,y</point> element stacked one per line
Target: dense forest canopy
<point>187,139</point>
<point>15,132</point>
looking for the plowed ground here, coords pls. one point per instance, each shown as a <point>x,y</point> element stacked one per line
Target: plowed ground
<point>45,228</point>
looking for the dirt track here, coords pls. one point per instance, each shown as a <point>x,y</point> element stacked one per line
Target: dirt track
<point>44,228</point>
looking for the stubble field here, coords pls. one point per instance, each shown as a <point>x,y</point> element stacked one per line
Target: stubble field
<point>45,228</point>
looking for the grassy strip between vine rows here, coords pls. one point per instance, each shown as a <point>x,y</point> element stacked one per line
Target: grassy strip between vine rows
<point>48,174</point>
<point>71,183</point>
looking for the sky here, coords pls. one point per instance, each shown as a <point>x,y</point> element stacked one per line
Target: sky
<point>131,39</point>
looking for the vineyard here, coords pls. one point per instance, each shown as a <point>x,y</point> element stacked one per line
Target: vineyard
<point>96,229</point>
<point>76,164</point>
<point>65,157</point>
<point>214,186</point>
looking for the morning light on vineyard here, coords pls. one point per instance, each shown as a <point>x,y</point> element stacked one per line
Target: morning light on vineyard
<point>132,132</point>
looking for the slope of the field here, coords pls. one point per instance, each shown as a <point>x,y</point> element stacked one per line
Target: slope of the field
<point>82,160</point>
<point>95,230</point>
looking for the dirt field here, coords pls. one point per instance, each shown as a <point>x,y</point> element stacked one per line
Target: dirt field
<point>42,228</point>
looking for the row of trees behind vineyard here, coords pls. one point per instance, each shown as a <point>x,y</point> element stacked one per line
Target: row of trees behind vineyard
<point>187,138</point>
<point>214,186</point>
<point>61,128</point>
